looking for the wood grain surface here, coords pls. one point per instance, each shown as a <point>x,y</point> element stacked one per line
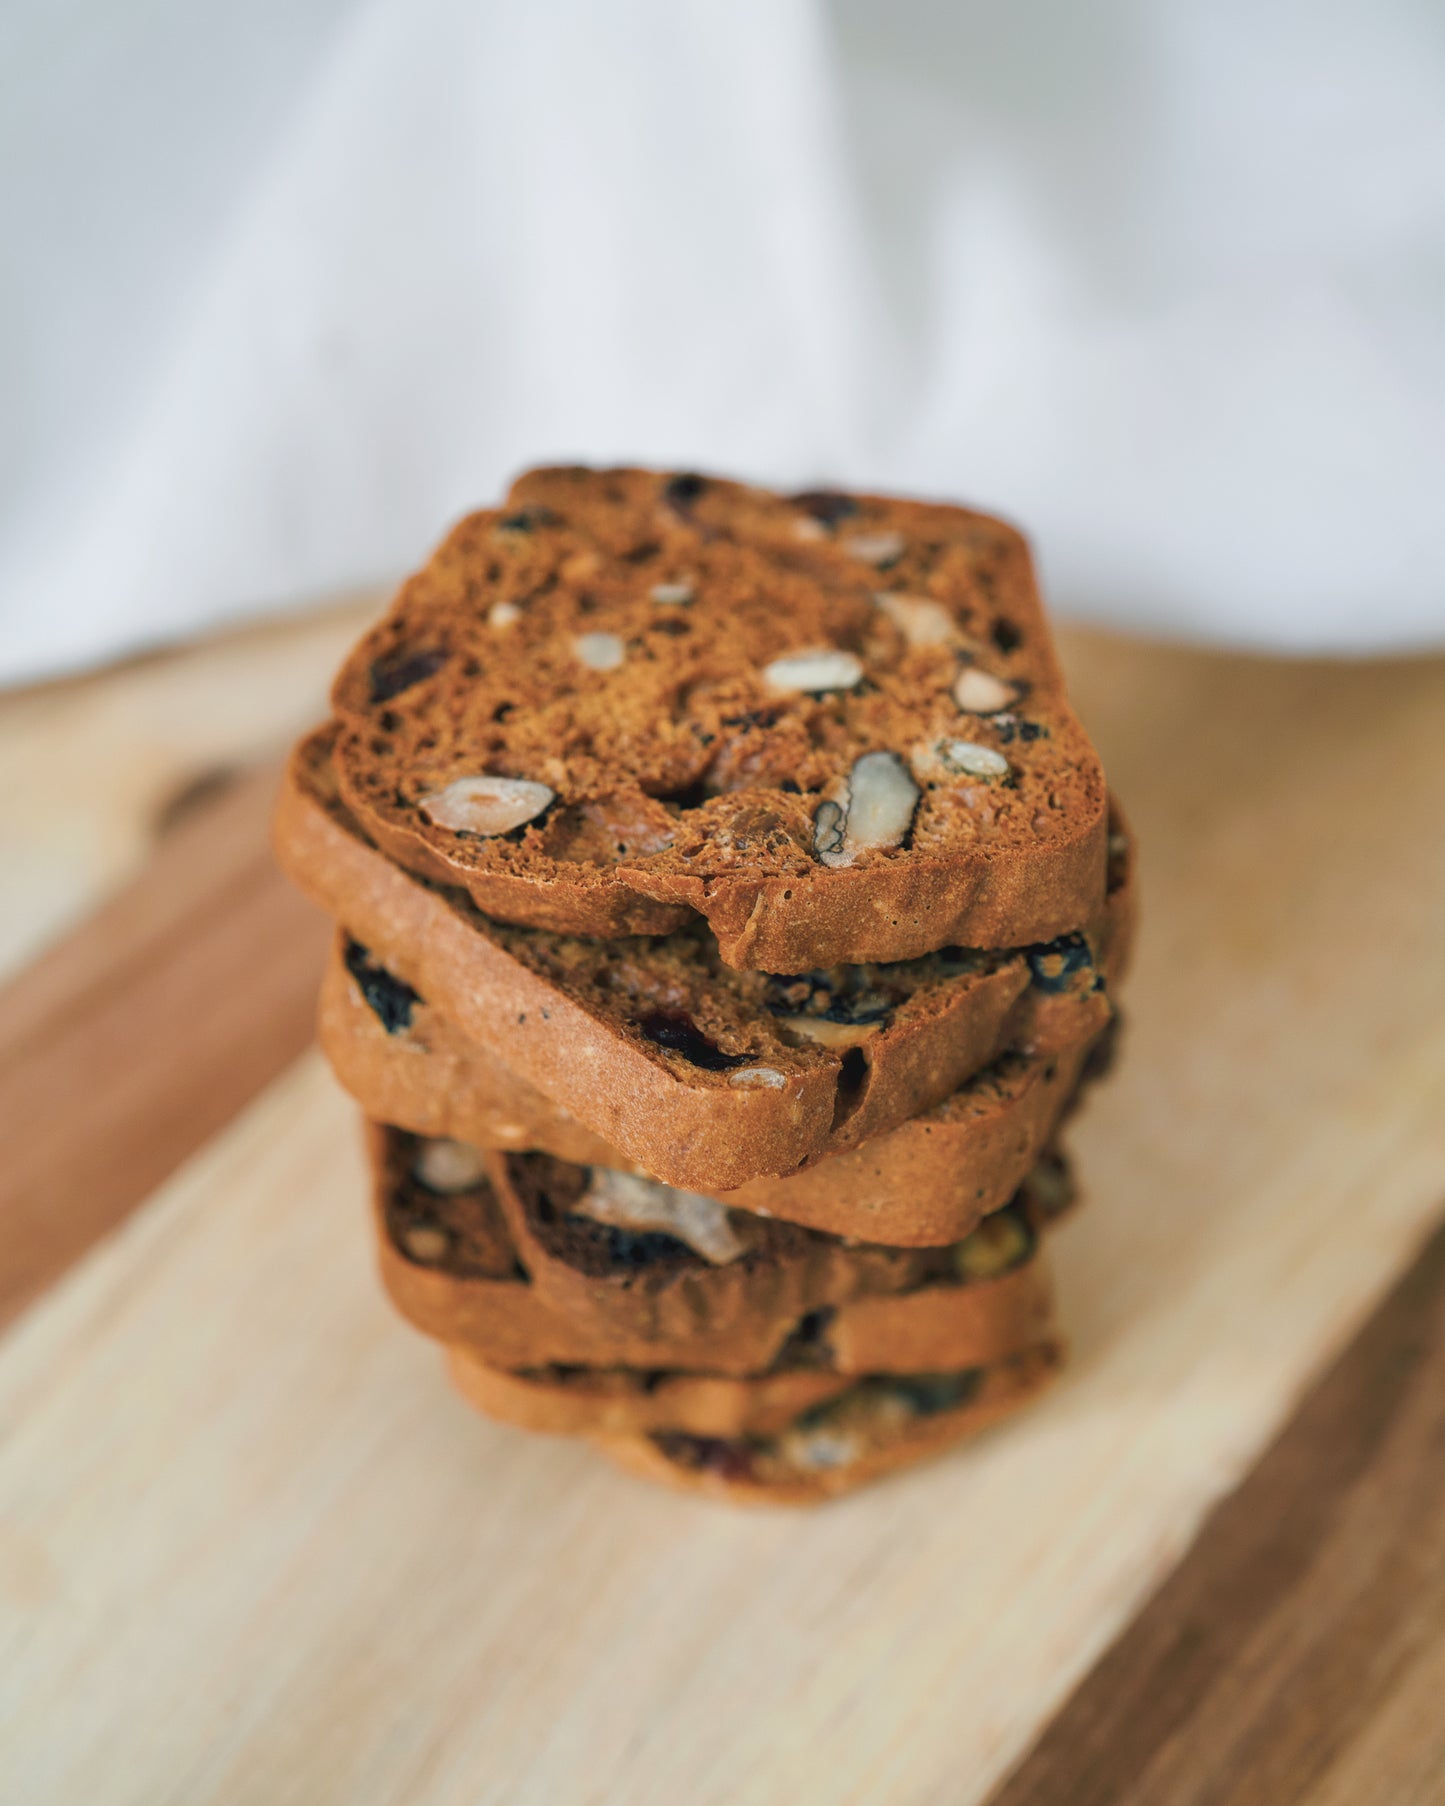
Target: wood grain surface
<point>251,1549</point>
<point>1297,1655</point>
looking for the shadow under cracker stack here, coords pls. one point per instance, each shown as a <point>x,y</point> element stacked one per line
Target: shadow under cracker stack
<point>730,912</point>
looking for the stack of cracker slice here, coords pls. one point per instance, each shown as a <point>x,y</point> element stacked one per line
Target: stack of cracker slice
<point>730,911</point>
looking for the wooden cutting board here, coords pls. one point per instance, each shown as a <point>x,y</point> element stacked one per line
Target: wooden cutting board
<point>253,1550</point>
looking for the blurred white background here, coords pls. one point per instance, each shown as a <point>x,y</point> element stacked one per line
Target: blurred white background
<point>290,284</point>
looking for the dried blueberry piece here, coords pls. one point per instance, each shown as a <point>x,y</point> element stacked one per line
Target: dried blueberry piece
<point>836,996</point>
<point>390,676</point>
<point>683,490</point>
<point>826,505</point>
<point>730,1460</point>
<point>1006,636</point>
<point>632,1249</point>
<point>1054,964</point>
<point>676,1031</point>
<point>527,520</point>
<point>926,1394</point>
<point>389,998</point>
<point>1009,728</point>
<point>807,1343</point>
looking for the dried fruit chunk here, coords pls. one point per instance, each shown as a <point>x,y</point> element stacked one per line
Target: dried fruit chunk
<point>813,671</point>
<point>630,1201</point>
<point>389,998</point>
<point>981,693</point>
<point>486,805</point>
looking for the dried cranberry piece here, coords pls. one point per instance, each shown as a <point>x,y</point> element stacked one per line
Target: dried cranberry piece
<point>389,998</point>
<point>729,1460</point>
<point>683,490</point>
<point>1055,964</point>
<point>390,676</point>
<point>826,505</point>
<point>676,1031</point>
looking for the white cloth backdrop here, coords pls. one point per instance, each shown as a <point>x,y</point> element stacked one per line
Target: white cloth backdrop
<point>289,284</point>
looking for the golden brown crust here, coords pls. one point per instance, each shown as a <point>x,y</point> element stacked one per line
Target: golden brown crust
<point>927,1182</point>
<point>538,646</point>
<point>686,1068</point>
<point>1004,1388</point>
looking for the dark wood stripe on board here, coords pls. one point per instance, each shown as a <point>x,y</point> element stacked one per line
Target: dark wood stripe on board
<point>137,1036</point>
<point>1296,1657</point>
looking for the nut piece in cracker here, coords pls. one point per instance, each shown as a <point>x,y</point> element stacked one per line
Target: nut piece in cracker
<point>921,621</point>
<point>486,805</point>
<point>877,549</point>
<point>812,672</point>
<point>979,692</point>
<point>881,800</point>
<point>873,811</point>
<point>973,760</point>
<point>600,651</point>
<point>630,1201</point>
<point>448,1166</point>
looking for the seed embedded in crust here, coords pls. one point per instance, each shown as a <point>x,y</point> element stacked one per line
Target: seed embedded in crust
<point>973,760</point>
<point>881,800</point>
<point>981,693</point>
<point>813,671</point>
<point>503,614</point>
<point>672,594</point>
<point>600,651</point>
<point>877,549</point>
<point>425,1243</point>
<point>759,1075</point>
<point>999,1244</point>
<point>921,621</point>
<point>829,823</point>
<point>448,1166</point>
<point>486,805</point>
<point>828,1033</point>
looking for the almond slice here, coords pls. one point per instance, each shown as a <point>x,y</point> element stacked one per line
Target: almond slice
<point>486,805</point>
<point>448,1166</point>
<point>921,621</point>
<point>981,693</point>
<point>881,799</point>
<point>631,1201</point>
<point>600,651</point>
<point>813,671</point>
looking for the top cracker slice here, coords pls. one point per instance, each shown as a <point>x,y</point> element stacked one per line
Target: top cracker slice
<point>832,725</point>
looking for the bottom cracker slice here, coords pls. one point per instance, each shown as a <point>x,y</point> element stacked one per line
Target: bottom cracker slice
<point>621,1401</point>
<point>874,1427</point>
